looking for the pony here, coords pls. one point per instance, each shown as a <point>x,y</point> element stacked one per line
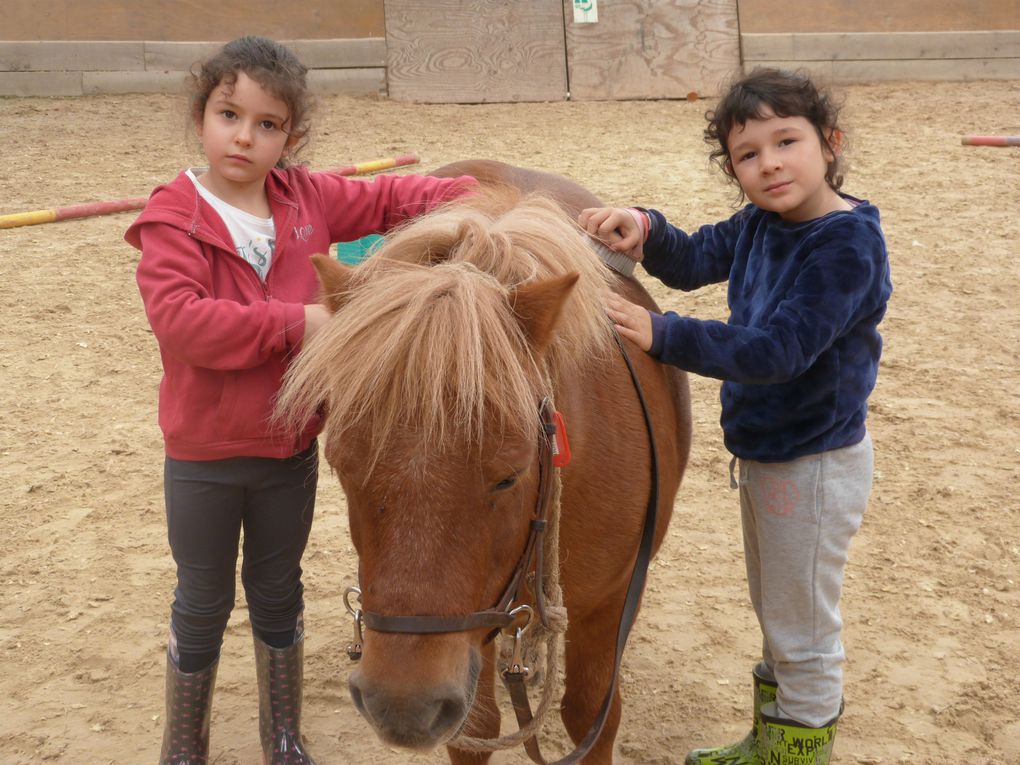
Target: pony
<point>430,378</point>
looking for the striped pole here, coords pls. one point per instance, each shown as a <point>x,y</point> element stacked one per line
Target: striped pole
<point>990,140</point>
<point>84,210</point>
<point>90,209</point>
<point>377,165</point>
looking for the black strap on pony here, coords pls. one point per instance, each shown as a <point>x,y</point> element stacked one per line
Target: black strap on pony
<point>514,681</point>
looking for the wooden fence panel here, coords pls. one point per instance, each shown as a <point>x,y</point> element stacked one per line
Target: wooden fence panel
<point>74,68</point>
<point>826,16</point>
<point>652,49</point>
<point>879,46</point>
<point>475,51</point>
<point>843,57</point>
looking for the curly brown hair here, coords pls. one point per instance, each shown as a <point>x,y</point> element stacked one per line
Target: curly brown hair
<point>271,65</point>
<point>783,94</point>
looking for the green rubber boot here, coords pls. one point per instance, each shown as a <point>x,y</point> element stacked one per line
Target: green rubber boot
<point>745,751</point>
<point>785,742</point>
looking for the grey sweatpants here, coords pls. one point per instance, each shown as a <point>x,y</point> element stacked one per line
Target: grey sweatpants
<point>798,519</point>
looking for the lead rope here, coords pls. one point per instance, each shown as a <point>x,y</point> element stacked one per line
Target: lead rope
<point>542,634</point>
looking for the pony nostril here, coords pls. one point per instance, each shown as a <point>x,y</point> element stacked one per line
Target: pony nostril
<point>356,697</point>
<point>449,716</point>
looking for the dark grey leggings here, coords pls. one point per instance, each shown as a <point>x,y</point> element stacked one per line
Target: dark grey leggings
<point>207,505</point>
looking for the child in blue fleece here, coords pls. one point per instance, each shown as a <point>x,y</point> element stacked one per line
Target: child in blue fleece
<point>808,278</point>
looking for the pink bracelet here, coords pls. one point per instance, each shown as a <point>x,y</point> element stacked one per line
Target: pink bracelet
<point>642,220</point>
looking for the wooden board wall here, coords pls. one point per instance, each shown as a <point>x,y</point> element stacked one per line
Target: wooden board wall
<point>477,51</point>
<point>489,50</point>
<point>876,56</point>
<point>77,47</point>
<point>72,68</point>
<point>874,40</point>
<point>652,49</point>
<point>833,16</point>
<point>186,20</point>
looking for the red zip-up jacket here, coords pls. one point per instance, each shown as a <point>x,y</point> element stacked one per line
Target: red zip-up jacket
<point>224,336</point>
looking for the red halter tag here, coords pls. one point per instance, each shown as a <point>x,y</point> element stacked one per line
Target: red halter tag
<point>560,445</point>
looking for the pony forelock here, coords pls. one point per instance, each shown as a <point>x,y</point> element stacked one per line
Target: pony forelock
<point>426,341</point>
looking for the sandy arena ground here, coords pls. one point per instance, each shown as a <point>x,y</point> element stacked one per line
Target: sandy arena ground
<point>931,600</point>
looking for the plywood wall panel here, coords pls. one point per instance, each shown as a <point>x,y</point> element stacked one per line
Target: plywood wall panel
<point>475,51</point>
<point>652,49</point>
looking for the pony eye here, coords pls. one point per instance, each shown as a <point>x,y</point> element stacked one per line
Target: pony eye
<point>505,484</point>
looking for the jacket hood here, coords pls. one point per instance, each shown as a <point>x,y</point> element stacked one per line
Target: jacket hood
<point>175,203</point>
<point>179,204</point>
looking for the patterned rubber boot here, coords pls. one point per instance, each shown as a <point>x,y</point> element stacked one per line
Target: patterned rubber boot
<point>745,751</point>
<point>188,710</point>
<point>281,674</point>
<point>790,743</point>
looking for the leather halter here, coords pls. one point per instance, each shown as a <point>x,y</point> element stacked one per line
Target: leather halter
<point>501,615</point>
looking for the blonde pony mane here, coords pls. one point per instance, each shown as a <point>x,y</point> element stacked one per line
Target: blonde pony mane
<point>427,341</point>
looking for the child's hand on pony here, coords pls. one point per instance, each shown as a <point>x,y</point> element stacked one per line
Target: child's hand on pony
<point>623,229</point>
<point>632,321</point>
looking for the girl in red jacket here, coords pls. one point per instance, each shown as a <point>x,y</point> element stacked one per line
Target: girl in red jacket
<point>231,294</point>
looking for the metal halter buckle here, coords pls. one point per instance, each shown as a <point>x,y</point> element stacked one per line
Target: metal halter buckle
<point>516,666</point>
<point>354,649</point>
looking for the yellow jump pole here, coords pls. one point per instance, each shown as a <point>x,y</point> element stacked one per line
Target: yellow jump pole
<point>89,209</point>
<point>377,165</point>
<point>27,218</point>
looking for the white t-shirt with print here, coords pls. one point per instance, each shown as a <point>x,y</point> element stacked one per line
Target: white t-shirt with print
<point>254,237</point>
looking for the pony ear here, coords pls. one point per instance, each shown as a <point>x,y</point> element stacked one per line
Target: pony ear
<point>334,279</point>
<point>538,305</point>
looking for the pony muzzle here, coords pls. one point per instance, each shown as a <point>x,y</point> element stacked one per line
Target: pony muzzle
<point>392,690</point>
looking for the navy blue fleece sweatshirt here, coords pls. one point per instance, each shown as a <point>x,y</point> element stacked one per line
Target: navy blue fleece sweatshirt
<point>799,354</point>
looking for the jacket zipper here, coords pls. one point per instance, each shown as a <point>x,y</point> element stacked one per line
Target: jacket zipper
<point>263,286</point>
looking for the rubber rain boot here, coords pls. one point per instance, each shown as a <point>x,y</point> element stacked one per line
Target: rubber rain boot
<point>790,743</point>
<point>188,711</point>
<point>281,674</point>
<point>745,751</point>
